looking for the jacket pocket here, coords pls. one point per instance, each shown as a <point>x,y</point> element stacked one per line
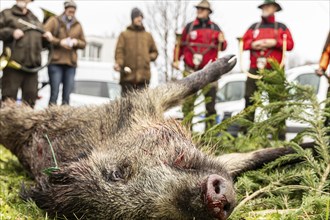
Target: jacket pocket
<point>74,57</point>
<point>127,77</point>
<point>56,55</point>
<point>19,52</point>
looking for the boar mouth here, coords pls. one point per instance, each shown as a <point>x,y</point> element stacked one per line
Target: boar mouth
<point>214,190</point>
<point>217,206</point>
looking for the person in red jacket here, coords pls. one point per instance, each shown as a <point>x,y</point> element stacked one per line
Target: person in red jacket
<point>200,42</point>
<point>323,66</point>
<point>265,40</point>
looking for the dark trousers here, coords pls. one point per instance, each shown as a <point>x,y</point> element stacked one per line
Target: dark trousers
<point>250,88</point>
<point>189,103</point>
<point>61,74</point>
<point>14,79</point>
<point>127,87</point>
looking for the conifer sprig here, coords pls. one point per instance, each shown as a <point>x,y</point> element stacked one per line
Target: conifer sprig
<point>295,186</point>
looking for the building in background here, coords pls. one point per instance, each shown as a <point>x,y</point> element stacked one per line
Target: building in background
<point>99,49</point>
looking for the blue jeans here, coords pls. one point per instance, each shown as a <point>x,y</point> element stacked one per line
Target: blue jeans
<point>61,74</point>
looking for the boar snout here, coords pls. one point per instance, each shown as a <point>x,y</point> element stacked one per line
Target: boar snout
<point>218,195</point>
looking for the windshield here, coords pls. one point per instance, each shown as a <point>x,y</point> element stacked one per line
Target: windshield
<point>310,79</point>
<point>232,91</point>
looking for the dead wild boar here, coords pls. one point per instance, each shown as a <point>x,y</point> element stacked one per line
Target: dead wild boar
<point>123,160</point>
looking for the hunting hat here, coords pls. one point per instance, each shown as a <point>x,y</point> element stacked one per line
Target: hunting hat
<point>271,2</point>
<point>204,4</point>
<point>70,3</point>
<point>136,13</point>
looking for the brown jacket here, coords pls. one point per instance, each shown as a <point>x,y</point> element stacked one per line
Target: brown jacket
<point>27,49</point>
<point>57,27</point>
<point>135,49</point>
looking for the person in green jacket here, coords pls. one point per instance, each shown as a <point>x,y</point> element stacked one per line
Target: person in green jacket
<point>26,47</point>
<point>135,50</point>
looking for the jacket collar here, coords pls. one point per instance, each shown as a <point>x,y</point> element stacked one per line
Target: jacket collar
<point>74,20</point>
<point>269,19</point>
<point>198,21</point>
<point>133,27</point>
<point>18,11</point>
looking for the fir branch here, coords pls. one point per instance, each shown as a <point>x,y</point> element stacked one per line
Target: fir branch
<point>255,194</point>
<point>324,178</point>
<point>272,211</point>
<point>301,189</point>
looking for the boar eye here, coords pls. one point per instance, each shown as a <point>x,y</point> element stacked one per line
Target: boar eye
<point>112,176</point>
<point>116,175</point>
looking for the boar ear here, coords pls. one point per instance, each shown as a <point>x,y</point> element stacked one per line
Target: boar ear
<point>238,163</point>
<point>172,94</point>
<point>40,194</point>
<point>41,191</point>
<point>52,194</point>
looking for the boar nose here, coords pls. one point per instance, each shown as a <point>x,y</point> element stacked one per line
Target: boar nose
<point>216,191</point>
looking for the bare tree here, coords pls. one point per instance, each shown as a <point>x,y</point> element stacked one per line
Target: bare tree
<point>165,18</point>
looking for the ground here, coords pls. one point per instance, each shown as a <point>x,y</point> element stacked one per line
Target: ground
<point>12,175</point>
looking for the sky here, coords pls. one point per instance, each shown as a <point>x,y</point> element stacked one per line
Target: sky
<point>308,20</point>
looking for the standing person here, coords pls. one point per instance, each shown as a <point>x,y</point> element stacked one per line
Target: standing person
<point>135,50</point>
<point>200,42</point>
<point>325,57</point>
<point>265,40</point>
<point>26,47</point>
<point>68,38</point>
<point>323,66</point>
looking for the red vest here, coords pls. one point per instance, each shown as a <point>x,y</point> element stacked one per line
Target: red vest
<point>267,29</point>
<point>200,37</point>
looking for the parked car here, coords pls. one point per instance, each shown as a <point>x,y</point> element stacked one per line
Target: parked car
<point>305,75</point>
<point>95,83</point>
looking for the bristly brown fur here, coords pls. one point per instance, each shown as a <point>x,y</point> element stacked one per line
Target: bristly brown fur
<point>120,160</point>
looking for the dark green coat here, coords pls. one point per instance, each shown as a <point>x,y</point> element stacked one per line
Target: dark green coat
<point>27,49</point>
<point>135,49</point>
